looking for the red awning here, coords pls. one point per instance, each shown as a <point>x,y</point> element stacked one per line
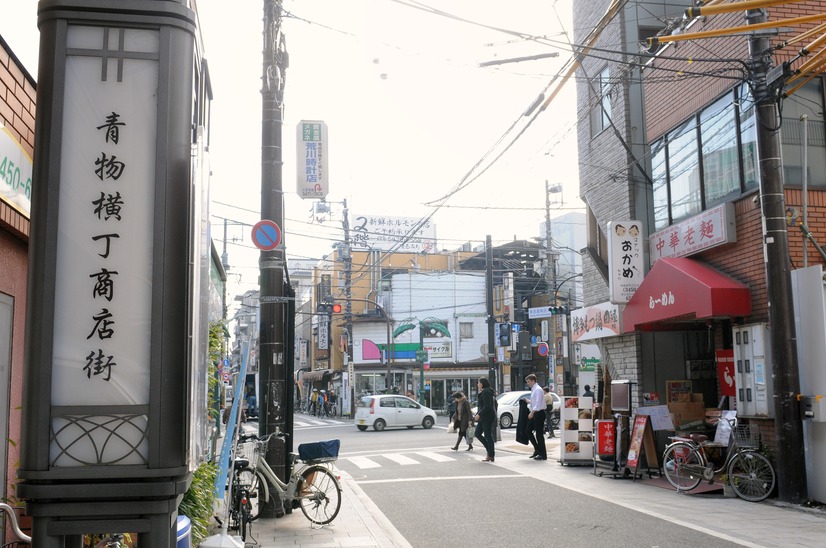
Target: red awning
<point>684,289</point>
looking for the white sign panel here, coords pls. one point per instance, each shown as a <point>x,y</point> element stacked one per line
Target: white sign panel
<point>312,167</point>
<point>596,322</point>
<point>710,228</point>
<point>103,290</point>
<point>625,259</point>
<point>15,173</point>
<point>441,349</point>
<point>323,334</point>
<point>536,312</point>
<point>384,232</point>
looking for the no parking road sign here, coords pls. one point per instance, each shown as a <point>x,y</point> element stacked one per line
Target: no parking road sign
<point>266,235</point>
<point>542,349</point>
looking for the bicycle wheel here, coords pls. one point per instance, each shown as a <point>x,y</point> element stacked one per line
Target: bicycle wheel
<point>682,464</point>
<point>319,495</point>
<point>751,475</point>
<point>245,520</point>
<point>256,487</point>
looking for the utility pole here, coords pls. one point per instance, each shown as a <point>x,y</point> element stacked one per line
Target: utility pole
<point>273,367</point>
<point>550,280</point>
<point>791,471</point>
<point>491,319</point>
<point>346,254</point>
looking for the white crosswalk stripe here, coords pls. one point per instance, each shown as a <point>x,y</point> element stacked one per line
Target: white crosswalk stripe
<point>401,459</point>
<point>364,462</point>
<point>435,456</point>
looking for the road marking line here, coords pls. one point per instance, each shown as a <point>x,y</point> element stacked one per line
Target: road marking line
<point>364,462</point>
<point>401,459</point>
<point>434,456</point>
<point>397,480</point>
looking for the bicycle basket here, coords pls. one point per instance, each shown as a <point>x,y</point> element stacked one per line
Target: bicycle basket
<point>746,435</point>
<point>249,450</point>
<point>320,451</point>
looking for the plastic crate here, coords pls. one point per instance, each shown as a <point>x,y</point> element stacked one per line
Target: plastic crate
<point>319,451</point>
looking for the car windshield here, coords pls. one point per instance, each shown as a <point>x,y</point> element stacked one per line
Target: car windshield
<point>365,401</point>
<point>509,398</point>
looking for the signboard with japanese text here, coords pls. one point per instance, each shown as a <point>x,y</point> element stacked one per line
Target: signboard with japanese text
<point>626,256</point>
<point>15,173</point>
<point>312,165</point>
<point>103,295</point>
<point>384,232</point>
<point>323,332</point>
<point>441,349</point>
<point>595,322</point>
<point>711,228</point>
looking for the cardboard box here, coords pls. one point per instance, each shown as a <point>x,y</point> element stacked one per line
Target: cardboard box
<point>687,415</point>
<point>695,397</point>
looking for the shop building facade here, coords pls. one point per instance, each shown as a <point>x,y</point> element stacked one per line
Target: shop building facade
<point>681,123</point>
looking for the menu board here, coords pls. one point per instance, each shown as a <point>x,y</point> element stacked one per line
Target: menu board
<point>641,443</point>
<point>660,416</point>
<point>577,429</point>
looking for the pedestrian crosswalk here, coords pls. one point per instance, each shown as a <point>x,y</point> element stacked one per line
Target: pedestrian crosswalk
<point>402,459</point>
<point>302,421</point>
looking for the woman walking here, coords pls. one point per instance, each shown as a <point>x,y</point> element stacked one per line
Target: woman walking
<point>462,420</point>
<point>486,417</point>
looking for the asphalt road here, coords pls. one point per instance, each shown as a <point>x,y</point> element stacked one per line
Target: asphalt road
<point>438,497</point>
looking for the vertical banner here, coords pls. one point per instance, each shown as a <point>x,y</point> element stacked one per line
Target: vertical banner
<point>103,294</point>
<point>626,253</point>
<point>312,169</point>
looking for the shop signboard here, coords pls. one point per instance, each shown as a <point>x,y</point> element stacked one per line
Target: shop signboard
<point>15,173</point>
<point>606,436</point>
<point>577,429</point>
<point>312,168</point>
<point>626,250</point>
<point>711,228</point>
<point>595,322</point>
<point>385,232</point>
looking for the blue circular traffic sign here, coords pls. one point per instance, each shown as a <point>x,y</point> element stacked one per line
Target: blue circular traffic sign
<point>266,235</point>
<point>542,349</point>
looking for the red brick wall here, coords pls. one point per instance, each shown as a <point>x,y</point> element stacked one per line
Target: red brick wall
<point>17,109</point>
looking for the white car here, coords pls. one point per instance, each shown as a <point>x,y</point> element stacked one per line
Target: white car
<point>392,410</point>
<point>508,406</point>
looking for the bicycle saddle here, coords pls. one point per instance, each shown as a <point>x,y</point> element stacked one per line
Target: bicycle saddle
<point>698,438</point>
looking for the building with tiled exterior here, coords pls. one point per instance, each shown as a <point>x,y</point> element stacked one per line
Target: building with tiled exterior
<point>680,124</point>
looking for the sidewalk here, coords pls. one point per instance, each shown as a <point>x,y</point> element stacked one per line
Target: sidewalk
<point>770,523</point>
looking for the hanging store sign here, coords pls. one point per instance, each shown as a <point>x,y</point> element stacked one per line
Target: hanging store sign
<point>312,168</point>
<point>625,259</point>
<point>595,322</point>
<point>711,228</point>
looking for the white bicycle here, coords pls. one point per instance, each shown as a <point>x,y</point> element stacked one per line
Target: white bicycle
<point>312,486</point>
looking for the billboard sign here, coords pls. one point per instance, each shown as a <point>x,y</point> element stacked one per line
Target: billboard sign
<point>312,169</point>
<point>626,250</point>
<point>384,232</point>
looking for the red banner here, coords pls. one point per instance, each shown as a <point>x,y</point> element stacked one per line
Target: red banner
<point>725,372</point>
<point>606,436</point>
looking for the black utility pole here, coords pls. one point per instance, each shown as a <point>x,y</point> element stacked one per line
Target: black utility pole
<point>791,466</point>
<point>272,352</point>
<point>491,319</point>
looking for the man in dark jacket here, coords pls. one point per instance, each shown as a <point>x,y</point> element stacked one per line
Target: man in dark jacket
<point>486,417</point>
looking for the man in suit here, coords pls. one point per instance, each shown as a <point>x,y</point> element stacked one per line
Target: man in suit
<point>536,419</point>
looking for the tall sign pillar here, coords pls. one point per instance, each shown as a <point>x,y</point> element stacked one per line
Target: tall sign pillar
<point>109,315</point>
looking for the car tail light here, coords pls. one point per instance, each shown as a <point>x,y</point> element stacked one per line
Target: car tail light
<point>372,406</point>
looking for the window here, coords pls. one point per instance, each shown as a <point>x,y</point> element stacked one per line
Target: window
<point>659,174</point>
<point>601,113</point>
<point>805,101</point>
<point>465,330</point>
<point>684,171</point>
<point>721,161</point>
<point>748,139</point>
<point>387,402</point>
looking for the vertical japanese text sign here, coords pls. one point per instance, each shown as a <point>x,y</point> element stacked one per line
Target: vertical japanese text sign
<point>107,329</point>
<point>625,259</point>
<point>312,168</point>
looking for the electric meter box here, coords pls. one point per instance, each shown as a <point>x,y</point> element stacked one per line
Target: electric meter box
<point>753,371</point>
<point>814,408</point>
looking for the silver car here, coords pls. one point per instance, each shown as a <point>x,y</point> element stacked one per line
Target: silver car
<point>392,410</point>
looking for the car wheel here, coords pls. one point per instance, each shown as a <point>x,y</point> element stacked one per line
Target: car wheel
<point>427,423</point>
<point>506,421</point>
<point>361,427</point>
<point>379,425</point>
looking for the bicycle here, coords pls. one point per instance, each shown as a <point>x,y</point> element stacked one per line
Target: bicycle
<point>240,513</point>
<point>312,486</point>
<point>750,474</point>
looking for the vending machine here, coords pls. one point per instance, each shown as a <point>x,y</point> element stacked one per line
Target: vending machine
<point>753,371</point>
